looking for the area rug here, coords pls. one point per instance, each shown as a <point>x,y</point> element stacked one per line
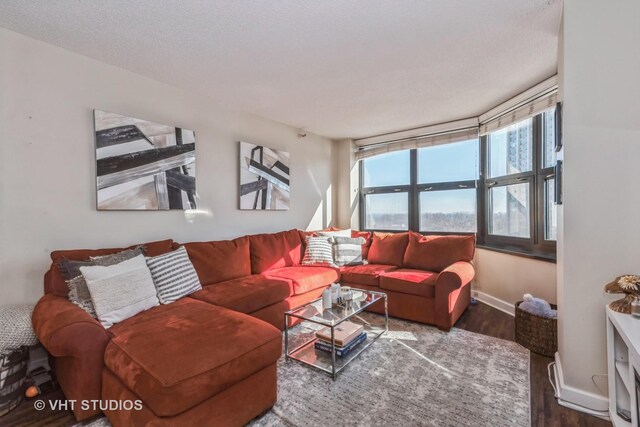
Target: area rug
<point>413,375</point>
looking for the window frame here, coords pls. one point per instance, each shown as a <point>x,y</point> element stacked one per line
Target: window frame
<point>536,245</point>
<point>413,189</point>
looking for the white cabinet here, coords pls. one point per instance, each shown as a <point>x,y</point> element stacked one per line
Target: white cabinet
<point>623,367</point>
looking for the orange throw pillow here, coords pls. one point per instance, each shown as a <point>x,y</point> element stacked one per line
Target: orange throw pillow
<point>435,253</point>
<point>388,248</point>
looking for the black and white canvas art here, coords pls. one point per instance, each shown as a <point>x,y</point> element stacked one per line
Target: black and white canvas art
<point>143,165</point>
<point>264,178</point>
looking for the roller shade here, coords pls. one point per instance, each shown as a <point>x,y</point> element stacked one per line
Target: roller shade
<point>528,109</point>
<point>364,150</point>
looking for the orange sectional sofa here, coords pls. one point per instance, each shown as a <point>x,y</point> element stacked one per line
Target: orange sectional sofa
<point>427,279</point>
<point>212,356</point>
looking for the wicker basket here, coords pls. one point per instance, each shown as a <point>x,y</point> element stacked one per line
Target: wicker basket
<point>538,334</point>
<point>13,372</point>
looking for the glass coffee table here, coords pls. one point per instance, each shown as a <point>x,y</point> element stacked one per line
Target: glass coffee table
<point>312,317</point>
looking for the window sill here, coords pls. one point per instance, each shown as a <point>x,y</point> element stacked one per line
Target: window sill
<point>521,253</point>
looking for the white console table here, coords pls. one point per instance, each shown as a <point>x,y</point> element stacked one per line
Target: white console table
<point>623,367</point>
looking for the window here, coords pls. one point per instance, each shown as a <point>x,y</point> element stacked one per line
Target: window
<point>387,169</point>
<point>509,210</point>
<point>447,178</point>
<point>448,211</point>
<point>516,197</point>
<point>385,181</point>
<point>387,211</point>
<point>500,187</point>
<point>430,189</point>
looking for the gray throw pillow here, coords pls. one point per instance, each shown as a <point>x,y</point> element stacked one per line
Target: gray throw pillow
<point>113,259</point>
<point>80,296</point>
<point>319,251</point>
<point>173,275</point>
<point>348,250</point>
<point>78,291</point>
<point>120,291</point>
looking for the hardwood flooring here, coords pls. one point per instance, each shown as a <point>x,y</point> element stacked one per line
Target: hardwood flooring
<point>479,318</point>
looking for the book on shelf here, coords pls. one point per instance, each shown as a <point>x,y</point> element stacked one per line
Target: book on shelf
<point>343,334</point>
<point>341,351</point>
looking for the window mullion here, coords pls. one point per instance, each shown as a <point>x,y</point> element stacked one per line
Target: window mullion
<point>414,202</point>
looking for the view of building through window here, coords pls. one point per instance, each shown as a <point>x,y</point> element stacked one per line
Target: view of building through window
<point>510,152</point>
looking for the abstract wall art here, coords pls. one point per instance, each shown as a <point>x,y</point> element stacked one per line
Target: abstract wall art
<point>141,165</point>
<point>264,178</point>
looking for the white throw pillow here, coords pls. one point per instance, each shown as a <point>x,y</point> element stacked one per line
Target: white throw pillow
<point>337,233</point>
<point>173,275</point>
<point>120,291</point>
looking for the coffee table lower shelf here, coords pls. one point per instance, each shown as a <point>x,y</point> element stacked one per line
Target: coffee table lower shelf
<point>327,361</point>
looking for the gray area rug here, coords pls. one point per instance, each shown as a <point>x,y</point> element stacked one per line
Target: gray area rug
<point>415,375</point>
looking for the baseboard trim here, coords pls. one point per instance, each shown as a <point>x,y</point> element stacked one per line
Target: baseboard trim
<point>579,400</point>
<point>494,302</point>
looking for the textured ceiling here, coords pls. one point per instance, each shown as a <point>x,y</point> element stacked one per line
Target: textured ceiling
<point>333,67</point>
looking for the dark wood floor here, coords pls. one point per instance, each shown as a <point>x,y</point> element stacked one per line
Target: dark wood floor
<point>479,318</point>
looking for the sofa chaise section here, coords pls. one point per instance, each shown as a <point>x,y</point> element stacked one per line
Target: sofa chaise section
<point>211,349</point>
<point>74,339</point>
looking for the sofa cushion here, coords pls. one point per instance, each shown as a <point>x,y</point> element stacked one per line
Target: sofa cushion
<point>245,294</point>
<point>366,235</point>
<point>120,291</point>
<point>413,282</point>
<point>54,282</point>
<point>347,250</point>
<point>176,356</point>
<point>388,248</point>
<point>173,275</point>
<point>217,261</point>
<point>367,274</point>
<point>305,278</point>
<point>78,290</point>
<point>435,253</point>
<point>277,250</point>
<point>318,251</point>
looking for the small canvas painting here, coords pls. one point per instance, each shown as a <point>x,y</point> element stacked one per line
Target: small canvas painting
<point>264,178</point>
<point>141,165</point>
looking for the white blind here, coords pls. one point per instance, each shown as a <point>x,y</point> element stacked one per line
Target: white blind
<point>528,109</point>
<point>368,150</point>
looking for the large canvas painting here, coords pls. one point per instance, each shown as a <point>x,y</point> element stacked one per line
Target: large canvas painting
<point>264,178</point>
<point>143,165</point>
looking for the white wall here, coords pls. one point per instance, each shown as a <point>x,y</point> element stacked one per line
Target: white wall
<point>347,185</point>
<point>598,237</point>
<point>508,277</point>
<point>47,163</point>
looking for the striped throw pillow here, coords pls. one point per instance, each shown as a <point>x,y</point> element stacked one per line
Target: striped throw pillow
<point>348,250</point>
<point>319,251</point>
<point>174,275</point>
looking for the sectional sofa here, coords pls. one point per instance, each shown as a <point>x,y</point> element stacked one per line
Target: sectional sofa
<point>211,357</point>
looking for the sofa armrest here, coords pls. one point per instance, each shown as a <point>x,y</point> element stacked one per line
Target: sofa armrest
<point>453,293</point>
<point>77,341</point>
<point>456,275</point>
<point>64,329</point>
